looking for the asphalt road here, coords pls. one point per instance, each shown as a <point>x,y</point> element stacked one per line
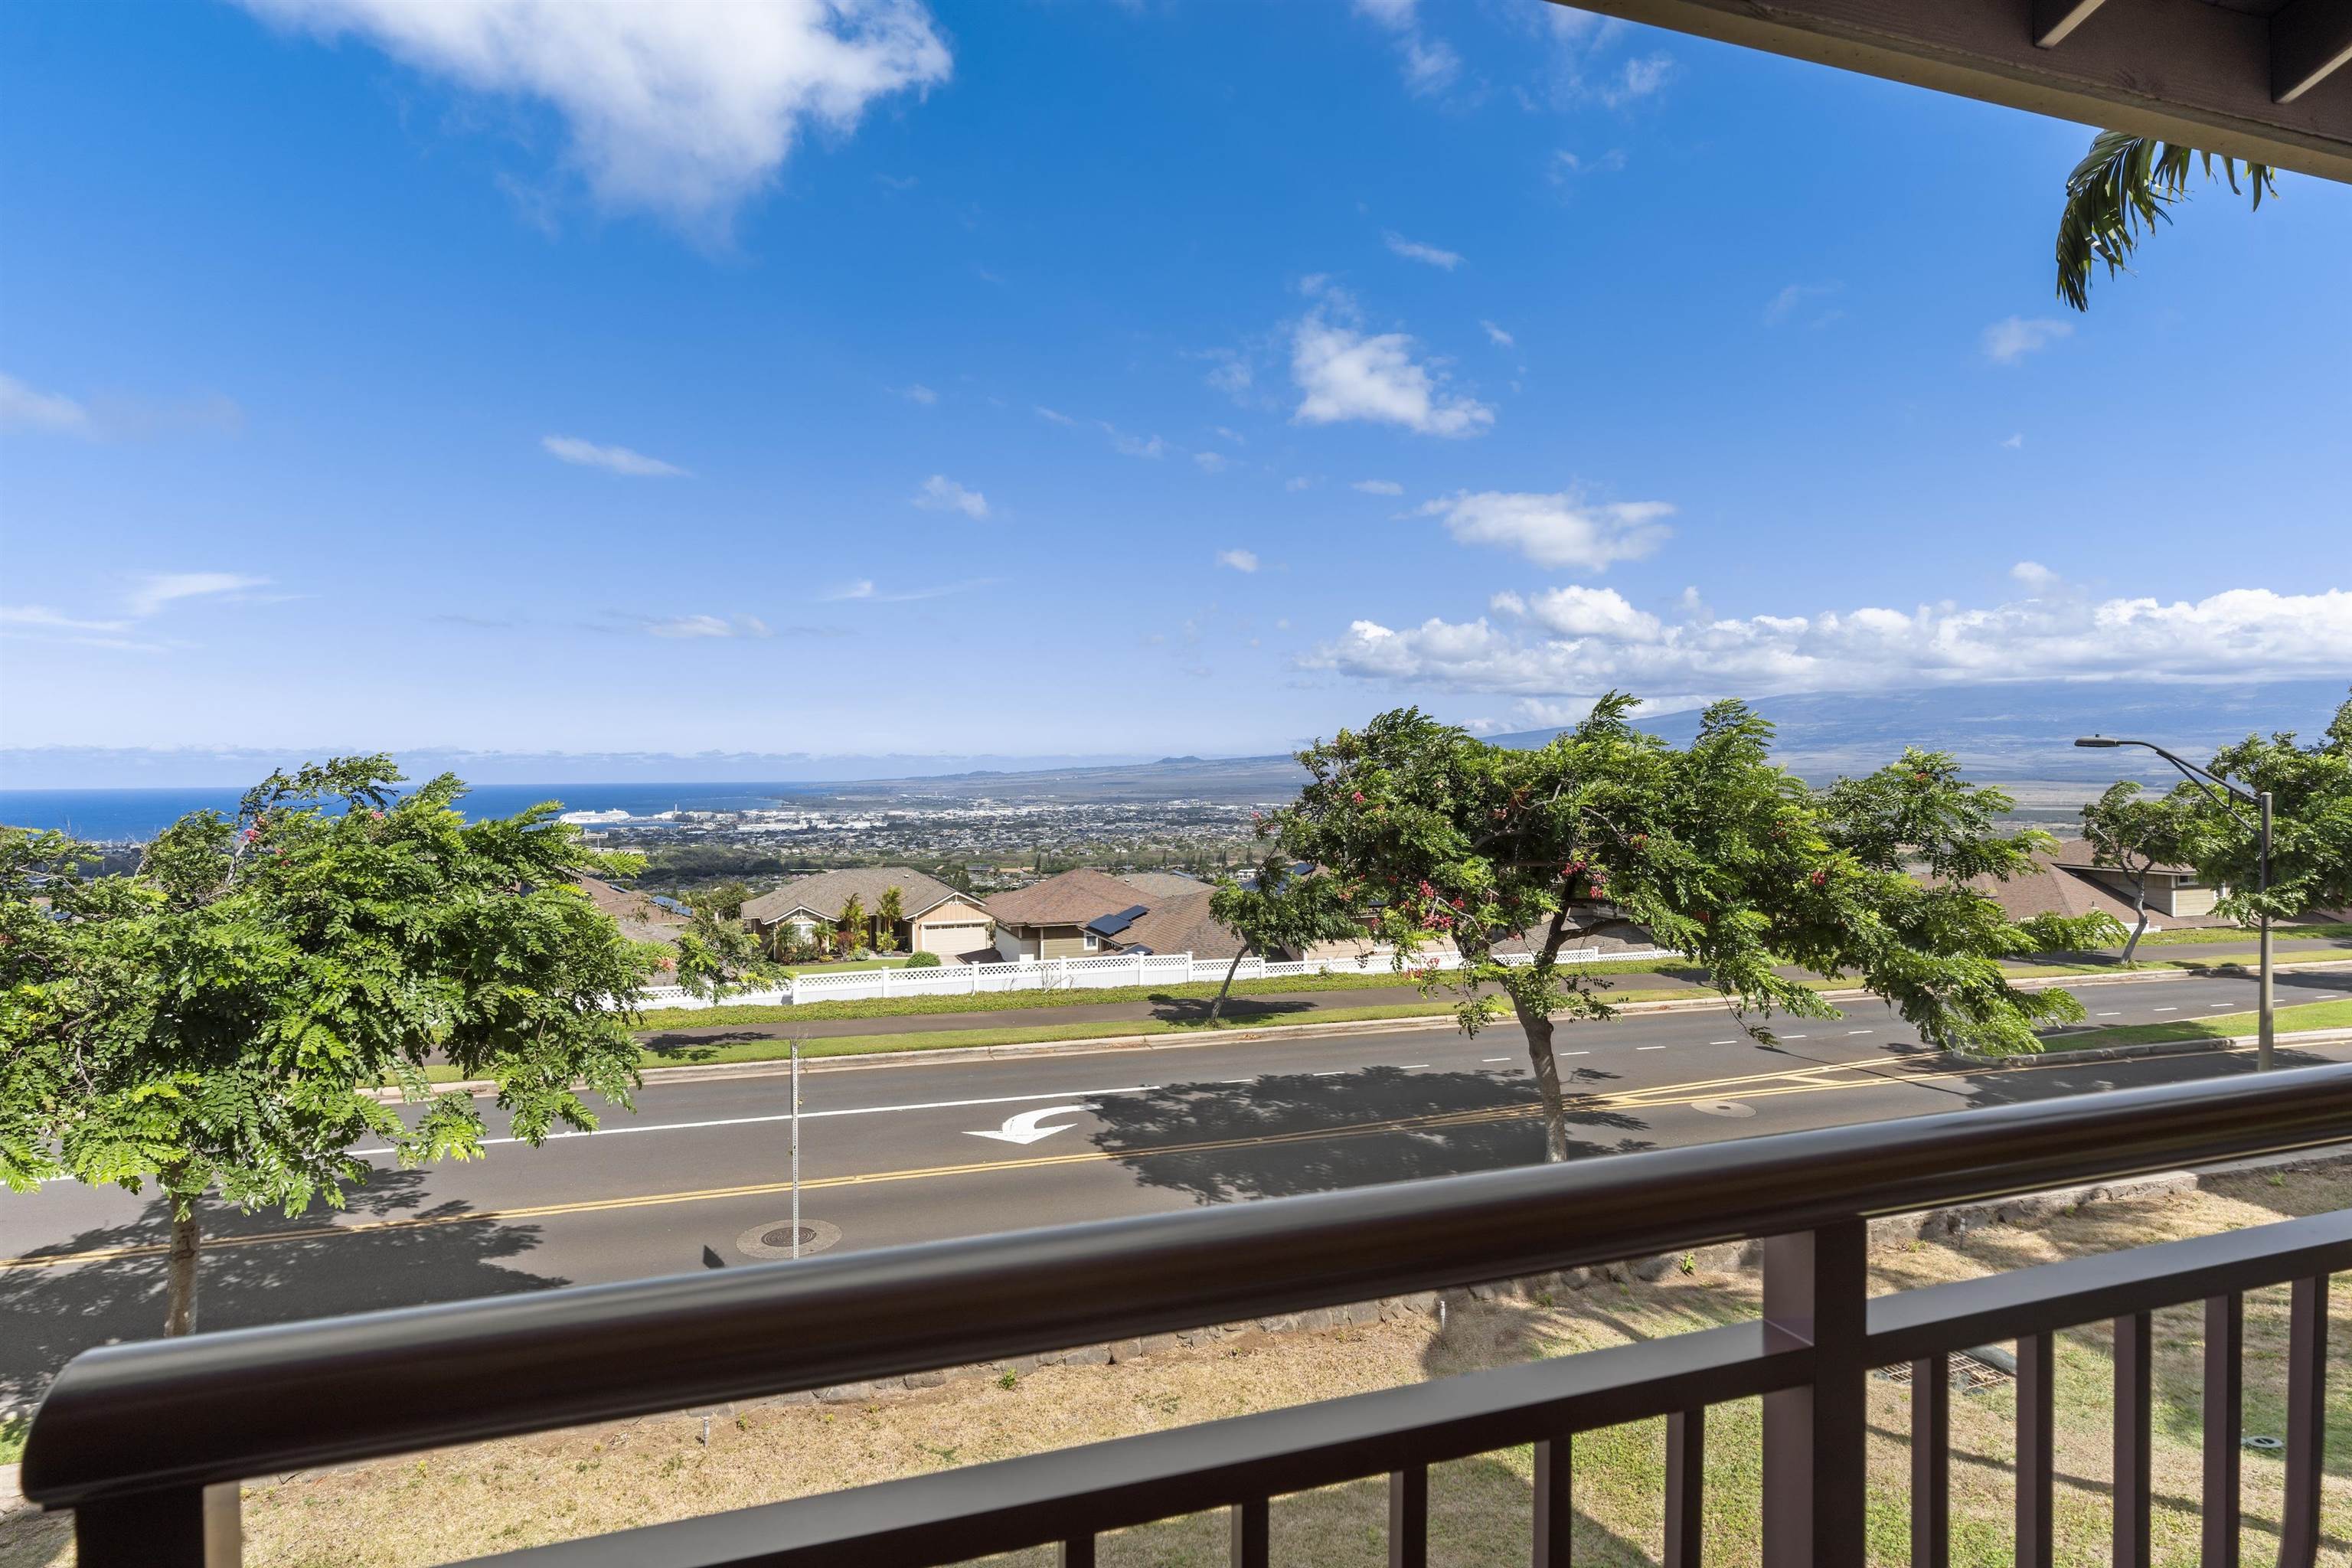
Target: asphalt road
<point>700,1174</point>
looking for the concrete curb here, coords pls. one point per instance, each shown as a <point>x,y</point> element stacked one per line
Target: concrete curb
<point>2151,1048</point>
<point>1277,1032</point>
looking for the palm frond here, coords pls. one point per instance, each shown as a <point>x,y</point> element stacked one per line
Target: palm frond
<point>2124,185</point>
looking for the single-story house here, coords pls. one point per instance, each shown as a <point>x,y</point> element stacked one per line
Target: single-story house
<point>2171,889</point>
<point>933,917</point>
<point>1181,925</point>
<point>1051,918</point>
<point>1157,885</point>
<point>642,917</point>
<point>2063,881</point>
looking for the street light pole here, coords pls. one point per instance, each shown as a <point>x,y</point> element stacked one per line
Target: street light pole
<point>2265,1030</point>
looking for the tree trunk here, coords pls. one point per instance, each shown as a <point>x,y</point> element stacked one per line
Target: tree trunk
<point>1547,1070</point>
<point>179,1287</point>
<point>2140,907</point>
<point>1218,1005</point>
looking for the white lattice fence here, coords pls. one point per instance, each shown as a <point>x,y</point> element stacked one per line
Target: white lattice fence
<point>1104,972</point>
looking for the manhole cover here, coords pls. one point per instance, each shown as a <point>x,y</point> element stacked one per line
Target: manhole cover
<point>773,1239</point>
<point>2263,1444</point>
<point>1723,1107</point>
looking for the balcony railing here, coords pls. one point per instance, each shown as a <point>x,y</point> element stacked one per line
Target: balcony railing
<point>145,1442</point>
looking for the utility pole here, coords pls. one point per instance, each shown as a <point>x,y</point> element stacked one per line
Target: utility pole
<point>796,1151</point>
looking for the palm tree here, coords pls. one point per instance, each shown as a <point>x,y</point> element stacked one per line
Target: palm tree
<point>889,910</point>
<point>2123,183</point>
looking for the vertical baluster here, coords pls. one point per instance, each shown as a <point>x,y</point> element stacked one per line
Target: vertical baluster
<point>1555,1516</point>
<point>1685,1487</point>
<point>1409,1518</point>
<point>1079,1552</point>
<point>2037,1412</point>
<point>2225,1335</point>
<point>2306,1421</point>
<point>1252,1534</point>
<point>187,1527</point>
<point>1816,1294</point>
<point>2134,1403</point>
<point>1931,1462</point>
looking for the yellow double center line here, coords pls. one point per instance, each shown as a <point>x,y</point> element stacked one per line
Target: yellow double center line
<point>1825,1077</point>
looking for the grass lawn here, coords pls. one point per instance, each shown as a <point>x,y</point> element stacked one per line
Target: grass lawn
<point>897,963</point>
<point>12,1438</point>
<point>761,1048</point>
<point>2219,1027</point>
<point>1003,1000</point>
<point>430,1508</point>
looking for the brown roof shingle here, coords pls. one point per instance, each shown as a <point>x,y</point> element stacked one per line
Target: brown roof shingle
<point>827,893</point>
<point>1070,898</point>
<point>1180,925</point>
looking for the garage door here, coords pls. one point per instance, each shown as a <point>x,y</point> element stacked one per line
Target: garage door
<point>951,937</point>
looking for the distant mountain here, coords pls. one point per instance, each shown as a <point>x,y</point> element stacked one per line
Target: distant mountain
<point>2024,730</point>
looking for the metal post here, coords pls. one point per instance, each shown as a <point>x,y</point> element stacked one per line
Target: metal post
<point>2266,1029</point>
<point>796,1151</point>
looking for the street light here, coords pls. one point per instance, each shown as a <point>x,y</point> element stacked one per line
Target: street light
<point>2265,1032</point>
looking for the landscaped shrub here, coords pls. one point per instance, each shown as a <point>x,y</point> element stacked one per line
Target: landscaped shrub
<point>922,960</point>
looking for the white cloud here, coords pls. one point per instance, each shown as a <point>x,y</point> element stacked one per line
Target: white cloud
<point>1586,644</point>
<point>683,109</point>
<point>1566,164</point>
<point>1560,530</point>
<point>1499,338</point>
<point>1343,373</point>
<point>1298,482</point>
<point>1415,250</point>
<point>1637,79</point>
<point>1208,462</point>
<point>22,409</point>
<point>707,626</point>
<point>941,494</point>
<point>1128,446</point>
<point>921,394</point>
<point>1053,414</point>
<point>2036,577</point>
<point>1430,64</point>
<point>2015,441</point>
<point>42,617</point>
<point>863,589</point>
<point>160,588</point>
<point>1232,374</point>
<point>614,459</point>
<point>1786,302</point>
<point>1239,559</point>
<point>2009,342</point>
<point>1580,612</point>
<point>1378,487</point>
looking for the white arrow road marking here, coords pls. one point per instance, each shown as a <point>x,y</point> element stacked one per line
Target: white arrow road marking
<point>1023,1129</point>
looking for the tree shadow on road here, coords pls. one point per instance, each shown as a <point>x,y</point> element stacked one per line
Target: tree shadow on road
<point>53,1313</point>
<point>1238,1009</point>
<point>1287,1133</point>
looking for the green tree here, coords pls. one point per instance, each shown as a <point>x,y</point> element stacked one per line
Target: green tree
<point>2123,184</point>
<point>1283,909</point>
<point>215,1024</point>
<point>2135,836</point>
<point>718,954</point>
<point>1713,850</point>
<point>889,910</point>
<point>853,923</point>
<point>2311,824</point>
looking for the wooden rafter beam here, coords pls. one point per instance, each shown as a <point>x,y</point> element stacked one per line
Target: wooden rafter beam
<point>2054,19</point>
<point>2310,41</point>
<point>2186,70</point>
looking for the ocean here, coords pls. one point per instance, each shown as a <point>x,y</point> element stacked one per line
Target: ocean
<point>116,815</point>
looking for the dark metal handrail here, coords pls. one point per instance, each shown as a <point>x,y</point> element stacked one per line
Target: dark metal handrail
<point>133,1422</point>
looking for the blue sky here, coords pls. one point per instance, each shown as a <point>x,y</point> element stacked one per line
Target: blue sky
<point>1177,376</point>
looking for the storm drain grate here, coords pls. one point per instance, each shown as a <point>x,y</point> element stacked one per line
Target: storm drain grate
<point>1969,1374</point>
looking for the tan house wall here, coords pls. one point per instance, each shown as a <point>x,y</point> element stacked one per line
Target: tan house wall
<point>1064,942</point>
<point>954,913</point>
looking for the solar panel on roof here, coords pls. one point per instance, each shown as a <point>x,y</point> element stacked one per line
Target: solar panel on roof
<point>1112,925</point>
